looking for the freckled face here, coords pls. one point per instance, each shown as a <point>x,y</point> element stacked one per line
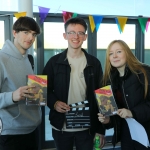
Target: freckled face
<point>117,56</point>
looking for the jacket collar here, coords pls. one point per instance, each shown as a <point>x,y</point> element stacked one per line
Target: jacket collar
<point>64,60</point>
<point>114,75</point>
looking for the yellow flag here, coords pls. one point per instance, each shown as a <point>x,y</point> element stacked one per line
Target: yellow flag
<point>20,14</point>
<point>122,21</point>
<point>92,24</point>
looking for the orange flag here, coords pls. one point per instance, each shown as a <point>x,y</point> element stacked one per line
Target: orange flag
<point>20,14</point>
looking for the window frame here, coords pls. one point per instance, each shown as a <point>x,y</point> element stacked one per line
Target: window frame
<point>92,49</point>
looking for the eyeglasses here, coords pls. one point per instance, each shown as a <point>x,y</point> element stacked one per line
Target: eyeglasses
<point>73,34</point>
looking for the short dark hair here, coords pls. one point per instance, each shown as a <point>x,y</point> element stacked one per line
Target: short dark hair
<point>26,24</point>
<point>76,20</point>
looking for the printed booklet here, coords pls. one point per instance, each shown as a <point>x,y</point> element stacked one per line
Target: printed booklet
<point>40,83</point>
<point>105,101</point>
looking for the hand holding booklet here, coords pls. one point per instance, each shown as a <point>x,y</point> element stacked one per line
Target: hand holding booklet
<point>40,89</point>
<point>105,101</point>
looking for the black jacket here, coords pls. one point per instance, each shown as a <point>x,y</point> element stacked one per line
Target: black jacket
<point>133,97</point>
<point>58,71</point>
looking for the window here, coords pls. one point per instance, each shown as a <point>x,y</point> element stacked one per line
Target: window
<point>110,32</point>
<point>2,34</point>
<point>54,43</point>
<point>147,48</point>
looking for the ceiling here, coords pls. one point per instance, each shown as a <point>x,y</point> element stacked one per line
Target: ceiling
<point>88,7</point>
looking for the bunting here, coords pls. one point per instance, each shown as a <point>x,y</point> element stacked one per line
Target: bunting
<point>97,21</point>
<point>66,15</point>
<point>92,24</point>
<point>118,25</point>
<point>43,13</point>
<point>143,22</point>
<point>20,14</point>
<point>122,22</point>
<point>94,20</point>
<point>147,24</point>
<point>74,15</point>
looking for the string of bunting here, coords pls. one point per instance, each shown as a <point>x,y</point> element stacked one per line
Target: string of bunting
<point>95,20</point>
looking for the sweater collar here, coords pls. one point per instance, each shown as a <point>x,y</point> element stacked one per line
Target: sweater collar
<point>10,49</point>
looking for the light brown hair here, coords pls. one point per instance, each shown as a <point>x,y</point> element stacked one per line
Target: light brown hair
<point>132,62</point>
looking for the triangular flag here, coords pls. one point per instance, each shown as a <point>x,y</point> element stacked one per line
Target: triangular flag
<point>43,13</point>
<point>97,20</point>
<point>122,21</point>
<point>66,15</point>
<point>92,24</point>
<point>74,15</point>
<point>20,14</point>
<point>143,22</point>
<point>118,25</point>
<point>147,24</point>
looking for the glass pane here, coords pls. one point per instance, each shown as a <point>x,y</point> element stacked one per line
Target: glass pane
<point>147,48</point>
<point>110,32</point>
<point>2,34</point>
<point>54,43</point>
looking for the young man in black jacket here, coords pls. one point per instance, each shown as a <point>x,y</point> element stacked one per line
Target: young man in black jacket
<point>73,75</point>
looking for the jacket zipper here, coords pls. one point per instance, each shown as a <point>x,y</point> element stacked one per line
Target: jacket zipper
<point>115,121</point>
<point>125,102</point>
<point>124,95</point>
